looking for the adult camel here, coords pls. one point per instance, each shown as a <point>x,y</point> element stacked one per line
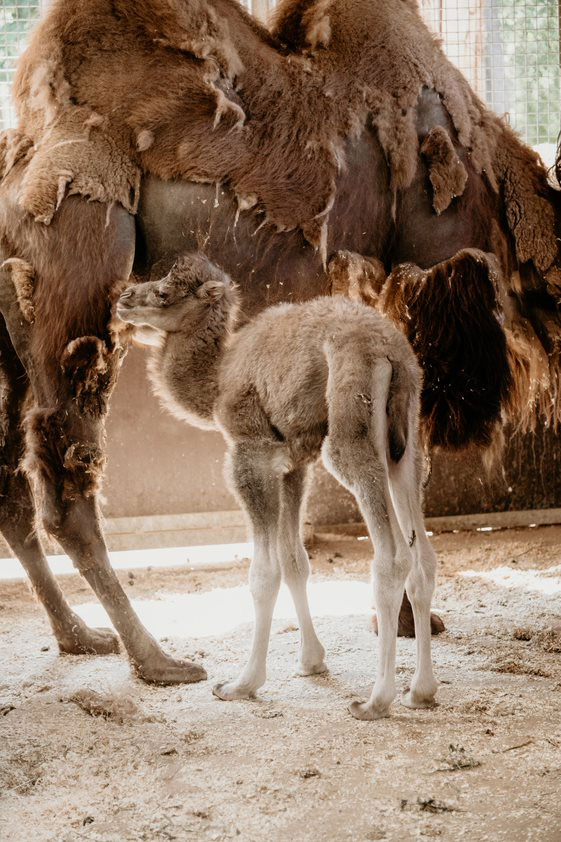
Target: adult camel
<point>339,153</point>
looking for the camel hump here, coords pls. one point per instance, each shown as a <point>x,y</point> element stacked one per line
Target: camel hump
<point>303,23</point>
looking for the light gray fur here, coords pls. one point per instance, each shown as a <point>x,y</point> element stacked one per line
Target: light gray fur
<point>330,377</point>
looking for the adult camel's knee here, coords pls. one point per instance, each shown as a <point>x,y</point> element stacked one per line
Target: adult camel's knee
<point>66,469</point>
<point>65,444</point>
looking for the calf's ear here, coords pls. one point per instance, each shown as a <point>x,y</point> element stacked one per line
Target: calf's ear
<point>212,289</point>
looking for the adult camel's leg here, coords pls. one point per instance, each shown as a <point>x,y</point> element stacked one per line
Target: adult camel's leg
<point>73,364</point>
<point>17,516</point>
<point>406,622</point>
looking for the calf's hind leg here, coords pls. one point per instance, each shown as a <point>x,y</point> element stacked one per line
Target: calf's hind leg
<point>406,488</point>
<point>355,452</point>
<point>256,481</point>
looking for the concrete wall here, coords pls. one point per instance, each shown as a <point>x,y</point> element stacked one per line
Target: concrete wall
<point>159,466</point>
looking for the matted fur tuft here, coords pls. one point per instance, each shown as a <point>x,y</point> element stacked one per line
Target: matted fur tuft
<point>447,173</point>
<point>90,370</point>
<point>23,279</point>
<point>451,316</point>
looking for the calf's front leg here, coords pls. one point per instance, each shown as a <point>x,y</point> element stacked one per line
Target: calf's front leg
<point>257,485</point>
<point>295,567</point>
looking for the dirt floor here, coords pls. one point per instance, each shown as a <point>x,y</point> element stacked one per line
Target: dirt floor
<point>177,764</point>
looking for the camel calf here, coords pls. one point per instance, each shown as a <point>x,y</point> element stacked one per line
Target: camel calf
<point>328,376</point>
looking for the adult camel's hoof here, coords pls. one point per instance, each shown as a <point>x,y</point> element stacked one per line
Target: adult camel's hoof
<point>230,691</point>
<point>85,641</point>
<point>167,670</point>
<point>406,625</point>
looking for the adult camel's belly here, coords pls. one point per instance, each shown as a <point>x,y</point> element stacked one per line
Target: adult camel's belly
<point>269,266</point>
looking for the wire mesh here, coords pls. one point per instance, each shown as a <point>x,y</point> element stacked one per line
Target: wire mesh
<point>16,19</point>
<point>508,49</point>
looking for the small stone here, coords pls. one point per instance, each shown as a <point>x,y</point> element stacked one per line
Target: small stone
<point>522,633</point>
<point>309,773</point>
<point>166,752</point>
<point>268,714</point>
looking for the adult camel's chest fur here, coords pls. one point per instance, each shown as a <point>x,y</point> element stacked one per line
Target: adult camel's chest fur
<point>177,217</point>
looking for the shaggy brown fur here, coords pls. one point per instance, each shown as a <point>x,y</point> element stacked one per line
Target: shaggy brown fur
<point>277,122</point>
<point>450,314</point>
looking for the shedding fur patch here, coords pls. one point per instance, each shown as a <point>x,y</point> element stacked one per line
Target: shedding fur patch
<point>528,200</point>
<point>23,279</point>
<point>452,318</point>
<point>447,173</point>
<point>76,158</point>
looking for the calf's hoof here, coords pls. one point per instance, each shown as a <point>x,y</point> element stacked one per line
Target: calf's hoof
<point>418,701</point>
<point>167,670</point>
<point>366,711</point>
<point>230,691</point>
<point>82,640</point>
<point>312,669</point>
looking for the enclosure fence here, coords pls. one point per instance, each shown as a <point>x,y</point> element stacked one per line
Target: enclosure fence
<point>508,49</point>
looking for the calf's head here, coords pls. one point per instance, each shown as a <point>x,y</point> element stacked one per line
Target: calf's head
<point>181,298</point>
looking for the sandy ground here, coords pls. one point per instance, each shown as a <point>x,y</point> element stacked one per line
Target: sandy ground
<point>177,764</point>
